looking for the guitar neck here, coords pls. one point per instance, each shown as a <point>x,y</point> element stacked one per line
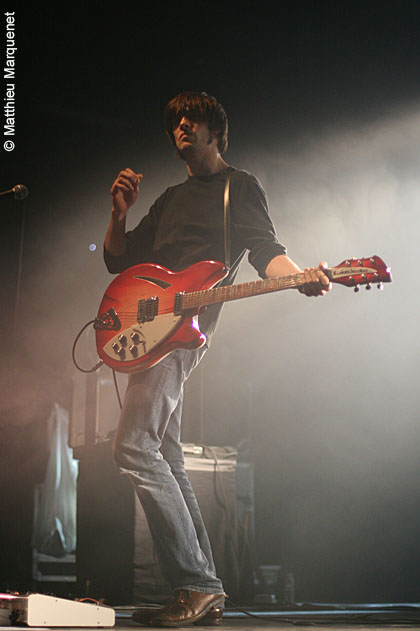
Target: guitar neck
<point>351,273</point>
<point>197,299</point>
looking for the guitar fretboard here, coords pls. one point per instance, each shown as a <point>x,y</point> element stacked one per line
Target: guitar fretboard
<point>196,299</point>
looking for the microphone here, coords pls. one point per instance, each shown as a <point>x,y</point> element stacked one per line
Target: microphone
<point>20,191</point>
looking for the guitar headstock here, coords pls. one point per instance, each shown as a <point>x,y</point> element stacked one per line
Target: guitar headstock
<point>356,272</point>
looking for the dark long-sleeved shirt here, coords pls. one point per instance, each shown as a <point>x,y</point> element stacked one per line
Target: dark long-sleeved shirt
<point>186,225</point>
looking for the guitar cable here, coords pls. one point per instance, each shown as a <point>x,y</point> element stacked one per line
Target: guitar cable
<point>73,352</point>
<point>304,614</point>
<point>98,365</point>
<point>117,390</point>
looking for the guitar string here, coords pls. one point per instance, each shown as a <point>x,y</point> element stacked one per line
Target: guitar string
<point>243,290</point>
<point>228,293</point>
<point>191,301</point>
<point>240,290</point>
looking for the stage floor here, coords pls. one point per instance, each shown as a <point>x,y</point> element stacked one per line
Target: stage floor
<point>329,617</point>
<point>333,617</point>
<point>234,624</point>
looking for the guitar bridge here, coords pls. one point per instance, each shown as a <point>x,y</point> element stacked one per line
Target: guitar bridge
<point>108,321</point>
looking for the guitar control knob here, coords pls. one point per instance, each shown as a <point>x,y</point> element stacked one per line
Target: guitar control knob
<point>368,287</point>
<point>357,288</point>
<point>135,337</point>
<point>122,340</point>
<point>121,352</point>
<point>116,347</point>
<point>134,350</point>
<point>380,286</point>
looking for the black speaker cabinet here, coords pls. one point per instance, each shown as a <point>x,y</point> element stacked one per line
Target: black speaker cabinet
<point>115,554</point>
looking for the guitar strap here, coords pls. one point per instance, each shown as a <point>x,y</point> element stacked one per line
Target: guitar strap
<point>227,220</point>
<point>226,205</point>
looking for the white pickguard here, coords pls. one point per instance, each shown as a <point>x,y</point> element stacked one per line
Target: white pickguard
<point>139,339</point>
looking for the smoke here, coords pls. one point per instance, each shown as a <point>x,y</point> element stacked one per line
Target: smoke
<point>325,390</point>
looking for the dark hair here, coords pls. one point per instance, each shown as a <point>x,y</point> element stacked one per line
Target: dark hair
<point>200,107</point>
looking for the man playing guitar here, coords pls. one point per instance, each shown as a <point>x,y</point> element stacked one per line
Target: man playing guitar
<point>186,225</point>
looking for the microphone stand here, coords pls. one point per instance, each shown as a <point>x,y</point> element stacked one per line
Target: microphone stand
<point>19,272</point>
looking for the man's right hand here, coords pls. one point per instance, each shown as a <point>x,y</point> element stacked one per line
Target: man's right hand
<point>124,191</point>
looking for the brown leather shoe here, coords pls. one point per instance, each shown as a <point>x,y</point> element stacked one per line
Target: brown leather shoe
<point>188,607</point>
<point>144,615</point>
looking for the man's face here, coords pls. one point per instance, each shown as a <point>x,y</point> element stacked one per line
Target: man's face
<point>193,136</point>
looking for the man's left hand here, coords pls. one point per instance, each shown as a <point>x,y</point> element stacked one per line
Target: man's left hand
<point>316,283</point>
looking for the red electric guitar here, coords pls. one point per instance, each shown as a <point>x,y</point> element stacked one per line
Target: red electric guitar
<point>148,311</point>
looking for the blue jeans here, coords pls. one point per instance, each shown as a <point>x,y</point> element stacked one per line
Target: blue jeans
<point>147,448</point>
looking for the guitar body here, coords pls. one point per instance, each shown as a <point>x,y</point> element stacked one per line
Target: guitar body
<point>137,323</point>
<point>149,311</point>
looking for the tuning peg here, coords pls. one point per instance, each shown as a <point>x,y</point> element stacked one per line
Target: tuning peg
<point>368,286</point>
<point>380,286</point>
<point>356,288</point>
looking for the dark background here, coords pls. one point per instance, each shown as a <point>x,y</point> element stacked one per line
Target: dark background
<point>323,101</point>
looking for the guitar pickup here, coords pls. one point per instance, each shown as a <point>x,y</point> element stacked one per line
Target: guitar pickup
<point>179,296</point>
<point>147,309</point>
